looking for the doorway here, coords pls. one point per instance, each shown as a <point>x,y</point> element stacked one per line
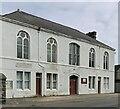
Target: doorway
<point>99,85</point>
<point>73,85</point>
<point>38,83</point>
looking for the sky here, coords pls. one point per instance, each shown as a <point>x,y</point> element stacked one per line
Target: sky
<point>101,17</point>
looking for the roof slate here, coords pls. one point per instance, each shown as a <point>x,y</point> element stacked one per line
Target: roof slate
<point>43,23</point>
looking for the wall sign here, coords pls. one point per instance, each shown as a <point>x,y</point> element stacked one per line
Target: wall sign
<point>83,80</point>
<point>23,65</point>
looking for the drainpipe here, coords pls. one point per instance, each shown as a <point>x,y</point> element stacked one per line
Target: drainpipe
<point>43,68</point>
<point>38,50</point>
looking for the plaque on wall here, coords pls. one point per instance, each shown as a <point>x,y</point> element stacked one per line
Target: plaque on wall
<point>83,80</point>
<point>23,65</point>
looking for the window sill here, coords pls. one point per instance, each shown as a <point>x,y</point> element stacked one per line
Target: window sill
<point>106,69</point>
<point>22,59</point>
<point>48,89</point>
<point>92,67</point>
<point>19,89</point>
<point>54,89</point>
<point>52,62</point>
<point>91,89</point>
<point>106,89</point>
<point>27,89</point>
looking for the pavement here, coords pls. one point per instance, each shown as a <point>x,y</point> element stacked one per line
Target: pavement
<point>32,101</point>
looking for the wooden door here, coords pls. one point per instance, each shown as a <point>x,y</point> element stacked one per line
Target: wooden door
<point>38,84</point>
<point>72,87</point>
<point>99,85</point>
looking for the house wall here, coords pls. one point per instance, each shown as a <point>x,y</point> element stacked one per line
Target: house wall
<point>38,62</point>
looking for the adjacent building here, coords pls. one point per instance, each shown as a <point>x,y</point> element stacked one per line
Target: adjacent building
<point>41,57</point>
<point>117,78</point>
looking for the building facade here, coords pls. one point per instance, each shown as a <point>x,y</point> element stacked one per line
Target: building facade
<point>40,57</point>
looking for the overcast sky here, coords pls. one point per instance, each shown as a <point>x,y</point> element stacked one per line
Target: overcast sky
<point>84,16</point>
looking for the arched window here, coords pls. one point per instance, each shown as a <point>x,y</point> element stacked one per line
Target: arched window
<point>74,54</point>
<point>23,45</point>
<point>106,60</point>
<point>51,50</point>
<point>92,57</point>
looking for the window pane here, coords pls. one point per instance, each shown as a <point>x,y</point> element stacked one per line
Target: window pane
<point>19,47</point>
<point>78,60</point>
<point>27,80</point>
<point>54,85</point>
<point>27,76</point>
<point>26,49</point>
<point>93,81</point>
<point>48,81</point>
<point>70,58</point>
<point>26,42</point>
<point>54,81</point>
<point>89,59</point>
<point>73,59</point>
<point>26,52</point>
<point>54,53</point>
<point>19,41</point>
<point>90,82</point>
<point>54,77</point>
<point>104,63</point>
<point>27,84</point>
<point>104,82</point>
<point>19,51</point>
<point>19,80</point>
<point>107,62</point>
<point>107,83</point>
<point>48,52</point>
<point>48,85</point>
<point>19,75</point>
<point>78,51</point>
<point>19,85</point>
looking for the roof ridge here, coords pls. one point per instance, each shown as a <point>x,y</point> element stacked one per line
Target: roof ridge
<point>9,13</point>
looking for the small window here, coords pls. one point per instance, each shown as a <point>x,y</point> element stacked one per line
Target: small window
<point>51,81</point>
<point>23,45</point>
<point>92,58</point>
<point>51,50</point>
<point>23,80</point>
<point>106,82</point>
<point>48,81</point>
<point>74,54</point>
<point>91,82</point>
<point>106,60</point>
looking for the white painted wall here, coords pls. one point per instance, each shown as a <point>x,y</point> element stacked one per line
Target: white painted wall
<point>62,67</point>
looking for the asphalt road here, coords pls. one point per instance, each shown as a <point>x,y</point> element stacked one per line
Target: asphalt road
<point>102,100</point>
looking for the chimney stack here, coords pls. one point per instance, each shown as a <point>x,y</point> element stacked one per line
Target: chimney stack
<point>18,10</point>
<point>92,34</point>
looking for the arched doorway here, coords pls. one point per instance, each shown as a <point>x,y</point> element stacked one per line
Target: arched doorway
<point>73,85</point>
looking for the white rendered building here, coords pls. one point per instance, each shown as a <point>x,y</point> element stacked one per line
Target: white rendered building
<point>40,57</point>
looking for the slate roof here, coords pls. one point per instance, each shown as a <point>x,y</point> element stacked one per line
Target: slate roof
<point>40,22</point>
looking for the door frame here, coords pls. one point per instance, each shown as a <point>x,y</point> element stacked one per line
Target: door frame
<point>74,77</point>
<point>39,76</point>
<point>99,85</point>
